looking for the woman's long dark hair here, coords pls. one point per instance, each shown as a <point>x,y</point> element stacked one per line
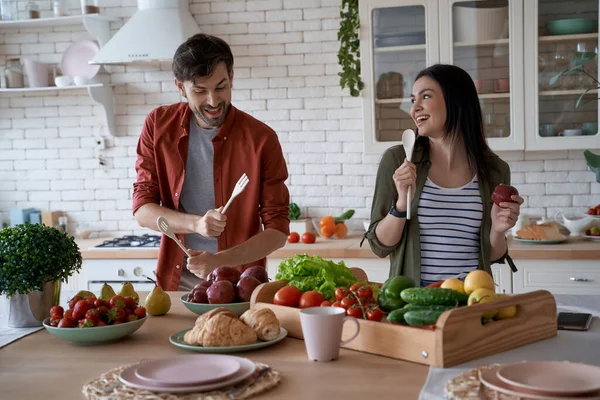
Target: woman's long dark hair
<point>463,113</point>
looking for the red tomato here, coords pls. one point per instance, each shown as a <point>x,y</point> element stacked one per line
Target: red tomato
<point>288,296</point>
<point>337,304</point>
<point>374,314</point>
<point>349,301</point>
<point>355,286</point>
<point>341,292</point>
<point>308,237</point>
<point>293,238</point>
<point>312,298</point>
<point>354,311</point>
<point>435,284</point>
<point>326,303</point>
<point>364,292</point>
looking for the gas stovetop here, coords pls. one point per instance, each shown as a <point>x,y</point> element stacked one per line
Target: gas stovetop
<point>130,241</point>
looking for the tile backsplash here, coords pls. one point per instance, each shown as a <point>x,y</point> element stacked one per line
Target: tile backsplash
<point>285,75</point>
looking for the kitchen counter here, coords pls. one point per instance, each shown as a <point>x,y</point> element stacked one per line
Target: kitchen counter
<point>60,369</point>
<point>572,249</point>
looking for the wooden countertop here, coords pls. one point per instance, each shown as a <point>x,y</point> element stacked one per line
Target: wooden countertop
<point>42,366</point>
<point>572,249</point>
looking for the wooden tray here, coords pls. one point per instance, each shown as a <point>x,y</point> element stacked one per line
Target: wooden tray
<point>458,335</point>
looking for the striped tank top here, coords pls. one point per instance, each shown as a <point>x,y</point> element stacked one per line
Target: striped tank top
<point>450,221</point>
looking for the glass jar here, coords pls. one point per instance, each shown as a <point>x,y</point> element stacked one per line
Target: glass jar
<point>8,10</point>
<point>14,74</point>
<point>60,8</point>
<point>90,7</point>
<point>33,11</point>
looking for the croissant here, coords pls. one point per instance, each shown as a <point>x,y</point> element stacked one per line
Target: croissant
<point>192,337</point>
<point>263,321</point>
<point>221,331</point>
<point>203,319</point>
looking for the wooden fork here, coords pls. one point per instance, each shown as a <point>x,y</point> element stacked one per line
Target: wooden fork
<point>239,188</point>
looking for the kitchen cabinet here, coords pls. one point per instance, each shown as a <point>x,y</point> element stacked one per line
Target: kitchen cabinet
<point>492,42</point>
<point>557,276</point>
<point>99,28</point>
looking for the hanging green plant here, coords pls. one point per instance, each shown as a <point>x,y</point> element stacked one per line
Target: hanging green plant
<point>349,54</point>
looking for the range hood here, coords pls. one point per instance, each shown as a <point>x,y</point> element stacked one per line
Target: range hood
<point>152,34</point>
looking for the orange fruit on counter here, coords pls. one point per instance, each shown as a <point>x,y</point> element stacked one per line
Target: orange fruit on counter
<point>341,230</point>
<point>327,231</point>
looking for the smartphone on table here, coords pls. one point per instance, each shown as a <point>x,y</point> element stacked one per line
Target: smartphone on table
<point>574,321</point>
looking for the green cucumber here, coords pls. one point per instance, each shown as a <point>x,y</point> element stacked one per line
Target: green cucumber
<point>346,215</point>
<point>422,317</point>
<point>433,296</point>
<point>430,307</point>
<point>397,316</point>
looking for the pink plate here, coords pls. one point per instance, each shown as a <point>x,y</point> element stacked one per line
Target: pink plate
<point>552,377</point>
<point>188,370</point>
<point>489,378</point>
<point>75,59</point>
<point>129,378</point>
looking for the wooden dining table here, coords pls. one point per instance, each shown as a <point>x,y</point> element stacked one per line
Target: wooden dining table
<point>41,366</point>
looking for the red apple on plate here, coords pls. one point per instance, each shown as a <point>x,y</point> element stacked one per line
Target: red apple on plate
<point>503,193</point>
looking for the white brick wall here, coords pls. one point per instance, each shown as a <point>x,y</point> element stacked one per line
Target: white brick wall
<point>286,75</point>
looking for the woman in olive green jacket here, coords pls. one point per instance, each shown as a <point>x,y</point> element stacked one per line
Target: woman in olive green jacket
<point>450,152</point>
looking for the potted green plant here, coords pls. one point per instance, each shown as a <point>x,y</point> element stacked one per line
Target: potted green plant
<point>34,260</point>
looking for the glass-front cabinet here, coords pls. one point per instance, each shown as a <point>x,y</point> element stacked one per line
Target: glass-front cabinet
<point>485,39</point>
<point>513,50</point>
<point>563,108</point>
<point>398,39</point>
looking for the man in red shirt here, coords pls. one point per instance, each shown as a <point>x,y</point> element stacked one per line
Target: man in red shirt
<point>191,154</point>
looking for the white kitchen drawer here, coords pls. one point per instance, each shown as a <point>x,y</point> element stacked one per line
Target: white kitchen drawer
<point>502,278</point>
<point>557,276</point>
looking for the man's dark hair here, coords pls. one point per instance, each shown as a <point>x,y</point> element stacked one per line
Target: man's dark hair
<point>199,56</point>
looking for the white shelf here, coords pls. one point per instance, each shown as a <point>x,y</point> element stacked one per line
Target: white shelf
<point>564,38</point>
<point>571,92</point>
<point>50,88</point>
<point>97,25</point>
<point>99,93</point>
<point>503,95</point>
<point>482,43</point>
<point>392,49</point>
<point>392,101</point>
<point>54,21</point>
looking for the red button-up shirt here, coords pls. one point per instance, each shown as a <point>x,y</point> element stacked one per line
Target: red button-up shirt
<point>242,145</point>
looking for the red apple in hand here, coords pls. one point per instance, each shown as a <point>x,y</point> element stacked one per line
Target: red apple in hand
<point>503,193</point>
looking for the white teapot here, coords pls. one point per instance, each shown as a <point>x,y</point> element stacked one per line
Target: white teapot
<point>575,226</point>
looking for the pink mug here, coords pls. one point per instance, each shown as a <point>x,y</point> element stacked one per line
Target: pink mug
<point>322,330</point>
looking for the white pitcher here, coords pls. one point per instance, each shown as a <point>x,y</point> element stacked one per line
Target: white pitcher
<point>575,226</point>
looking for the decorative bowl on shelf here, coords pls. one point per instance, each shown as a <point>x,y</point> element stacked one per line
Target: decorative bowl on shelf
<point>200,308</point>
<point>476,22</point>
<point>572,26</point>
<point>96,334</point>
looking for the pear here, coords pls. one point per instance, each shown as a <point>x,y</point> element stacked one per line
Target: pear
<point>107,292</point>
<point>158,301</point>
<point>85,293</point>
<point>127,290</point>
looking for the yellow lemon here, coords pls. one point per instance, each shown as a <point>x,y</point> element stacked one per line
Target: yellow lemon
<point>480,296</point>
<point>454,284</point>
<point>506,312</point>
<point>478,279</point>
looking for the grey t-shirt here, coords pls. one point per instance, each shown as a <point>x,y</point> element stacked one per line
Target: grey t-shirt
<point>197,193</point>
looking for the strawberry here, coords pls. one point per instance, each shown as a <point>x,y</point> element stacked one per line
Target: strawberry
<point>140,312</point>
<point>92,314</point>
<point>129,302</point>
<point>74,301</point>
<point>85,323</point>
<point>132,317</point>
<point>117,302</point>
<point>81,307</point>
<point>116,315</point>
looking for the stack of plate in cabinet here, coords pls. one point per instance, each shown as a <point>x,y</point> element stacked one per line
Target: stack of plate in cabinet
<point>543,380</point>
<point>188,373</point>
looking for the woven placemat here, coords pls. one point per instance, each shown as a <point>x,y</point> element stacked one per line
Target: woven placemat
<point>108,386</point>
<point>467,386</point>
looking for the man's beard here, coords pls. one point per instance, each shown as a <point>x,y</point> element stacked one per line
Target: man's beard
<point>212,122</point>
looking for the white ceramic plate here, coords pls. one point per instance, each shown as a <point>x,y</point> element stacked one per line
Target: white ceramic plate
<point>188,370</point>
<point>75,59</point>
<point>552,377</point>
<point>129,378</point>
<point>518,239</point>
<point>597,238</point>
<point>177,340</point>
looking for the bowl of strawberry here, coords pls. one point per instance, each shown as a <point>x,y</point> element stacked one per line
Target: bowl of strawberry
<point>92,320</point>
